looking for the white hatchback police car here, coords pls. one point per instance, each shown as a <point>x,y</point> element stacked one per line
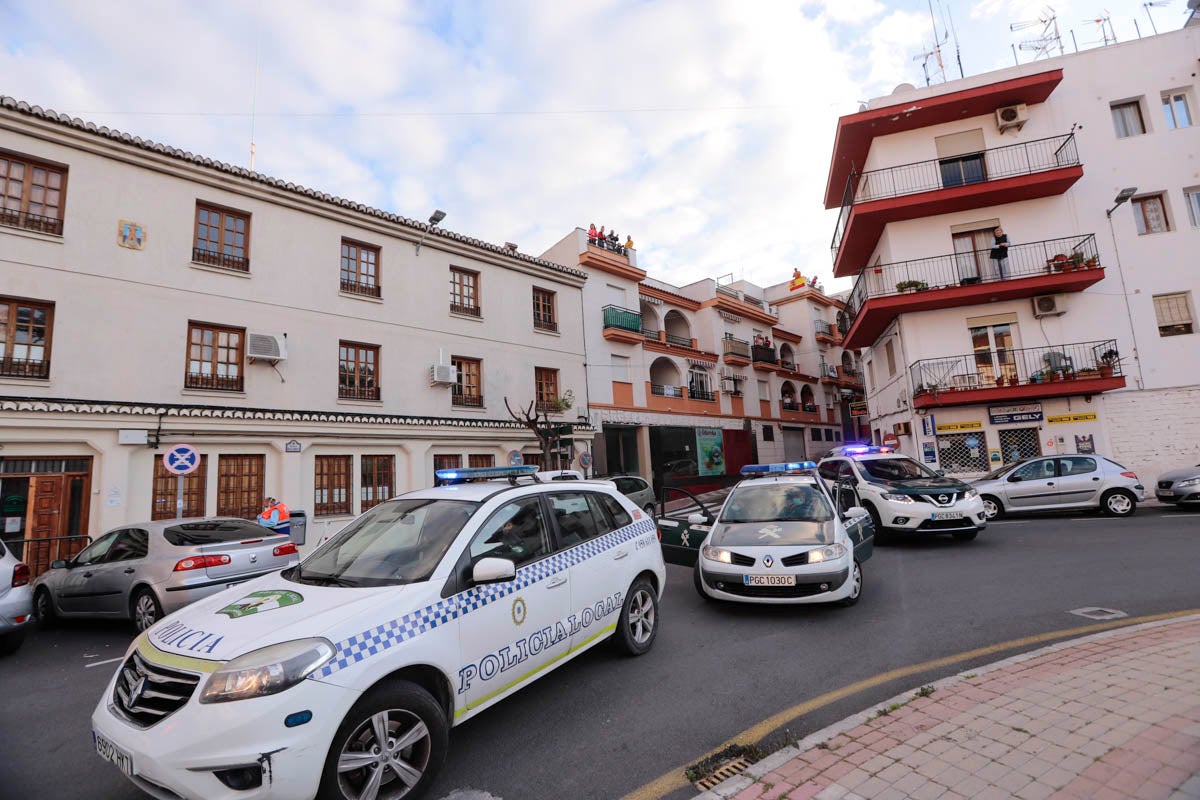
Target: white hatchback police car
<point>341,677</point>
<point>780,537</point>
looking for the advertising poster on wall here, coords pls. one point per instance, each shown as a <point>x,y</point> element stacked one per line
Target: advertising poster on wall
<point>710,452</point>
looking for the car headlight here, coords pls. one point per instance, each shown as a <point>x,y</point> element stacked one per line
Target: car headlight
<point>897,498</point>
<point>830,553</point>
<point>717,554</point>
<point>267,671</point>
<point>970,494</point>
<point>1188,482</point>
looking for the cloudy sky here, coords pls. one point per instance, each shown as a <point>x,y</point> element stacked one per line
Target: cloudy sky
<point>700,127</point>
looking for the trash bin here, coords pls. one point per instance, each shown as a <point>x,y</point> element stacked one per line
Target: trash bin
<point>299,523</point>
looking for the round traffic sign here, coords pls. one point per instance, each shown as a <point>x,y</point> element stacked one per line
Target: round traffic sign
<point>515,459</point>
<point>181,459</point>
<point>891,439</point>
<point>585,459</point>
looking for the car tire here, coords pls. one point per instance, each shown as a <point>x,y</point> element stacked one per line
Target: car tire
<point>856,575</point>
<point>965,536</point>
<point>406,709</point>
<point>43,608</point>
<point>698,581</point>
<point>1118,503</point>
<point>649,509</point>
<point>992,502</point>
<point>882,537</point>
<point>11,642</point>
<point>637,627</point>
<point>144,609</point>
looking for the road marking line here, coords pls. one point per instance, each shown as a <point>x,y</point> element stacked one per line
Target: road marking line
<point>106,661</point>
<point>675,780</point>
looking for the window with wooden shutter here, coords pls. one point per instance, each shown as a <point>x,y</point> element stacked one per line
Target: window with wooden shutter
<point>332,485</point>
<point>377,480</point>
<point>239,485</point>
<point>166,489</point>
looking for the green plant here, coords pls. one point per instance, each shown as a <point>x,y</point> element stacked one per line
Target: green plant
<point>1110,357</point>
<point>919,286</point>
<point>1077,259</point>
<point>925,691</point>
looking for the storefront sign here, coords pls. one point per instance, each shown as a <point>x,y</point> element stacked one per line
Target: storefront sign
<point>710,451</point>
<point>1060,419</point>
<point>1085,444</point>
<point>995,457</point>
<point>929,452</point>
<point>859,409</point>
<point>956,427</point>
<point>1027,412</point>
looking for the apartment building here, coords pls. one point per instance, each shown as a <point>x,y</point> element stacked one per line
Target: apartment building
<point>311,348</point>
<point>690,382</point>
<point>1023,247</point>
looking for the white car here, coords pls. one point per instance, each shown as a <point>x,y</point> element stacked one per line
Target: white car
<point>903,496</point>
<point>635,487</point>
<point>341,677</point>
<point>16,601</point>
<point>780,538</point>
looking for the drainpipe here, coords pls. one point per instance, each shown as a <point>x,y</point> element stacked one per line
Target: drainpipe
<point>1125,297</point>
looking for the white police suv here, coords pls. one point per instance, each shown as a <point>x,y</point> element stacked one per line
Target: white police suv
<point>781,538</point>
<point>902,495</point>
<point>341,677</point>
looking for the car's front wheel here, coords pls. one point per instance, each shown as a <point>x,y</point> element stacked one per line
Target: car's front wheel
<point>856,584</point>
<point>992,508</point>
<point>390,745</point>
<point>638,625</point>
<point>1118,503</point>
<point>145,609</point>
<point>43,608</point>
<point>649,509</point>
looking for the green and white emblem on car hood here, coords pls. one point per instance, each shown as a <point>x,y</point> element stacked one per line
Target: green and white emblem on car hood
<point>257,602</point>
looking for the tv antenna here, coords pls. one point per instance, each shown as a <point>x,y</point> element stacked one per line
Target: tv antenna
<point>934,55</point>
<point>1106,27</point>
<point>1154,4</point>
<point>1042,46</point>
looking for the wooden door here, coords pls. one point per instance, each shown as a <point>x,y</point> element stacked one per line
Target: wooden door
<point>45,521</point>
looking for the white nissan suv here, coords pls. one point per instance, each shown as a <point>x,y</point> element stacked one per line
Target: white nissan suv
<point>903,496</point>
<point>341,677</point>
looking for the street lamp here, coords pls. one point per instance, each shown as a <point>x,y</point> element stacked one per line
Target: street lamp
<point>437,216</point>
<point>1121,197</point>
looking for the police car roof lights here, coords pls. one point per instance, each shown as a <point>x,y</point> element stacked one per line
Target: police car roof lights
<point>863,449</point>
<point>780,468</point>
<point>458,475</point>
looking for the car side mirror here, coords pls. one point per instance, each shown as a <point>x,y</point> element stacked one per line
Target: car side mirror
<point>1015,479</point>
<point>58,564</point>
<point>856,512</point>
<point>699,519</point>
<point>493,570</point>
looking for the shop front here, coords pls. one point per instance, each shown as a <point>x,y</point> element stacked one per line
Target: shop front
<point>44,507</point>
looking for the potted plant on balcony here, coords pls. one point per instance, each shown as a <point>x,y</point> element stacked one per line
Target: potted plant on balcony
<point>1013,380</point>
<point>905,287</point>
<point>1108,362</point>
<point>1088,373</point>
<point>1091,263</point>
<point>1057,263</point>
<point>999,380</point>
<point>1076,261</point>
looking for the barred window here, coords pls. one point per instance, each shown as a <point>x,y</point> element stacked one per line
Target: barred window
<point>543,310</point>
<point>360,268</point>
<point>546,386</point>
<point>464,291</point>
<point>215,356</point>
<point>962,452</point>
<point>1019,443</point>
<point>1174,313</point>
<point>25,329</point>
<point>166,491</point>
<point>358,371</point>
<point>332,485</point>
<point>447,462</point>
<point>222,238</point>
<point>481,460</point>
<point>239,486</point>
<point>468,383</point>
<point>31,194</point>
<point>377,477</point>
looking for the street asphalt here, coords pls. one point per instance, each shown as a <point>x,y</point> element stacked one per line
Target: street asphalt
<point>602,725</point>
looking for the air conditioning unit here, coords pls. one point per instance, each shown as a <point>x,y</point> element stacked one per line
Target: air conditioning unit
<point>1010,117</point>
<point>268,346</point>
<point>442,374</point>
<point>1048,305</point>
<point>902,428</point>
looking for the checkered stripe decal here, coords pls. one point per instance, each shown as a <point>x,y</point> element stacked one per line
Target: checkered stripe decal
<point>374,641</point>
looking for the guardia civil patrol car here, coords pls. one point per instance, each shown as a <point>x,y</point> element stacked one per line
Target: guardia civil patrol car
<point>780,537</point>
<point>341,677</point>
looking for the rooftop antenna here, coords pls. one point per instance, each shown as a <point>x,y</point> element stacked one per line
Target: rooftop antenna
<point>957,49</point>
<point>1106,28</point>
<point>936,52</point>
<point>1049,38</point>
<point>1154,4</point>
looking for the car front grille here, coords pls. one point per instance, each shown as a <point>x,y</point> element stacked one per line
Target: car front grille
<point>935,499</point>
<point>796,560</point>
<point>946,524</point>
<point>740,560</point>
<point>1165,484</point>
<point>148,693</point>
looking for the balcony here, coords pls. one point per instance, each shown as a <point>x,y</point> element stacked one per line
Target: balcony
<point>12,218</point>
<point>468,310</point>
<point>792,411</point>
<point>827,333</point>
<point>350,392</point>
<point>228,261</point>
<point>465,400</point>
<point>546,324</point>
<point>990,376</point>
<point>681,399</point>
<point>23,368</point>
<point>364,289</point>
<point>1037,168</point>
<point>622,325</point>
<point>841,376</point>
<point>1069,264</point>
<point>765,358</point>
<point>219,383</point>
<point>737,352</point>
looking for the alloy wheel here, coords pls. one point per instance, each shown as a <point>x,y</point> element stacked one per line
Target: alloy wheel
<point>856,581</point>
<point>385,756</point>
<point>990,509</point>
<point>145,614</point>
<point>641,616</point>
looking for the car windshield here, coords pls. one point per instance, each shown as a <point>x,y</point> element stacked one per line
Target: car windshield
<point>400,541</point>
<point>895,469</point>
<point>777,502</point>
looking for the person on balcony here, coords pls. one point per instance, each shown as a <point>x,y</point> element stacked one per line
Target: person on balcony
<point>600,237</point>
<point>628,243</point>
<point>614,242</point>
<point>999,253</point>
<point>592,233</point>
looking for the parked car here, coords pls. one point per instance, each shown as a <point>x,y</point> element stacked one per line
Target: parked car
<point>634,487</point>
<point>1051,483</point>
<point>348,670</point>
<point>1179,487</point>
<point>16,601</point>
<point>150,569</point>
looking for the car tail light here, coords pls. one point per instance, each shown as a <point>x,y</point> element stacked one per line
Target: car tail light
<point>251,541</point>
<point>286,549</point>
<point>202,562</point>
<point>658,530</point>
<point>20,575</point>
<point>1129,475</point>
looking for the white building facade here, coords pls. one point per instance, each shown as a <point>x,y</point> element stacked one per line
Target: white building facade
<point>1004,307</point>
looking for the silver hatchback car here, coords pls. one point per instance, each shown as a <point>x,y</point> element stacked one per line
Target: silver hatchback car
<point>1053,483</point>
<point>150,569</point>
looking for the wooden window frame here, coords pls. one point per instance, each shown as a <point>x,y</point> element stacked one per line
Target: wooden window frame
<point>478,460</point>
<point>447,461</point>
<point>1137,105</point>
<point>240,501</point>
<point>22,217</point>
<point>372,468</point>
<point>362,387</point>
<point>546,389</point>
<point>329,472</point>
<point>353,278</point>
<point>10,367</point>
<point>461,292</point>
<point>218,258</point>
<point>1139,208</point>
<point>545,310</point>
<point>213,382</point>
<point>458,394</point>
<point>165,490</point>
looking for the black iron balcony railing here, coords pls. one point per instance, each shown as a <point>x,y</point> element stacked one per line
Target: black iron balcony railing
<point>825,329</point>
<point>737,347</point>
<point>649,334</point>
<point>220,383</point>
<point>764,354</point>
<point>696,393</point>
<point>23,368</point>
<point>664,390</point>
<point>350,392</point>
<point>788,365</point>
<point>470,311</point>
<point>212,258</point>
<point>1024,158</point>
<point>13,218</point>
<point>544,406</point>
<point>364,289</point>
<point>985,369</point>
<point>623,318</point>
<point>545,324</point>
<point>681,341</point>
<point>467,400</point>
<point>974,266</point>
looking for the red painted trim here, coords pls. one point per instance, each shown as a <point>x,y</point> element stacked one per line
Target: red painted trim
<point>1025,391</point>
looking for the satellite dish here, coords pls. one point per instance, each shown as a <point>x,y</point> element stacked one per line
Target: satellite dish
<point>904,87</point>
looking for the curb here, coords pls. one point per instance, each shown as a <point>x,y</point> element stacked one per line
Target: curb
<point>728,788</point>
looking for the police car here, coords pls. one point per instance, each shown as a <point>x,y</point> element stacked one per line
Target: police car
<point>780,537</point>
<point>902,495</point>
<point>341,677</point>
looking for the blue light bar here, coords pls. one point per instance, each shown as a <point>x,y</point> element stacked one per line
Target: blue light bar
<point>473,473</point>
<point>860,449</point>
<point>781,468</point>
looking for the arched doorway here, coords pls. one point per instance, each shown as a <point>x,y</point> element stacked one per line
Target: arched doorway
<point>787,396</point>
<point>807,402</point>
<point>847,364</point>
<point>665,378</point>
<point>650,323</point>
<point>677,328</point>
<point>787,356</point>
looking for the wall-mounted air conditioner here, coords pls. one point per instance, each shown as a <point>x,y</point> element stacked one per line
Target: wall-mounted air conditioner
<point>442,374</point>
<point>1048,305</point>
<point>267,346</point>
<point>1012,117</point>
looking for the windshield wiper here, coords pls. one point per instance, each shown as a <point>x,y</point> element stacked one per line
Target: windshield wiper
<point>331,580</point>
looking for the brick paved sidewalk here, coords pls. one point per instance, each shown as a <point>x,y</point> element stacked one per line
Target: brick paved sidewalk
<point>1113,715</point>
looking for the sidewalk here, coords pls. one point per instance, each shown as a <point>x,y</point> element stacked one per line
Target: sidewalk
<point>1112,715</point>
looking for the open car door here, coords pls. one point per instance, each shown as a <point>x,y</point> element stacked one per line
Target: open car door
<point>680,538</point>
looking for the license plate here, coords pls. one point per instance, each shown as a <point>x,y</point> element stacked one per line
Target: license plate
<point>1165,493</point>
<point>769,580</point>
<point>113,754</point>
<point>945,515</point>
